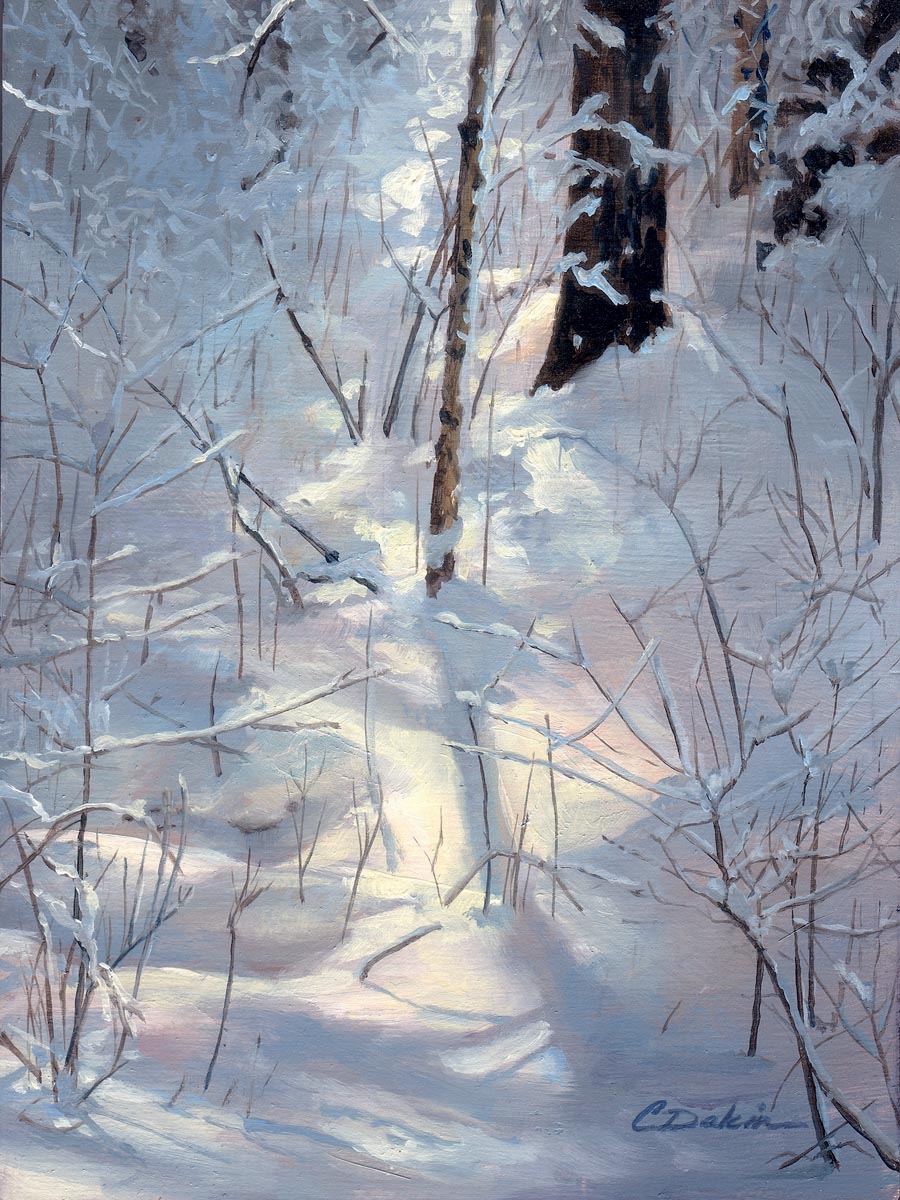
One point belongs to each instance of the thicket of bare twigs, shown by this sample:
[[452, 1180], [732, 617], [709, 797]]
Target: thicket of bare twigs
[[754, 726]]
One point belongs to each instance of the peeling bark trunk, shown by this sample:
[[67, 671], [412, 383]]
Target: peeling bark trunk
[[444, 495], [621, 220]]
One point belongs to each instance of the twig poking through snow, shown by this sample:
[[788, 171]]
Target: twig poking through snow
[[395, 948]]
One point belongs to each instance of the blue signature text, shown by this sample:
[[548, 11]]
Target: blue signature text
[[660, 1117]]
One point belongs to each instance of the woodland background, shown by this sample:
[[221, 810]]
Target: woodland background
[[449, 597]]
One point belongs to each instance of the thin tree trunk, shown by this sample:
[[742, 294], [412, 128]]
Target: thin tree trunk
[[485, 818], [620, 228], [226, 1005], [756, 1014], [882, 386], [811, 1067], [444, 496], [250, 892], [554, 805], [814, 1101], [81, 992]]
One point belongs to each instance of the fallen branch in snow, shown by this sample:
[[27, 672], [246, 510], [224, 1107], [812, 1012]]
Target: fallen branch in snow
[[252, 529], [542, 645], [328, 553], [106, 744], [395, 948], [308, 345]]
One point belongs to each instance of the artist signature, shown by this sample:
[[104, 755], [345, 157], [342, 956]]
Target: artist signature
[[661, 1117]]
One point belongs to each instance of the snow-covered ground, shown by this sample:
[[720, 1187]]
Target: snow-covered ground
[[385, 1035], [495, 1058]]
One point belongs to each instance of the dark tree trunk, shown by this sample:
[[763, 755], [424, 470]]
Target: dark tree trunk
[[756, 1014], [748, 117], [621, 218]]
